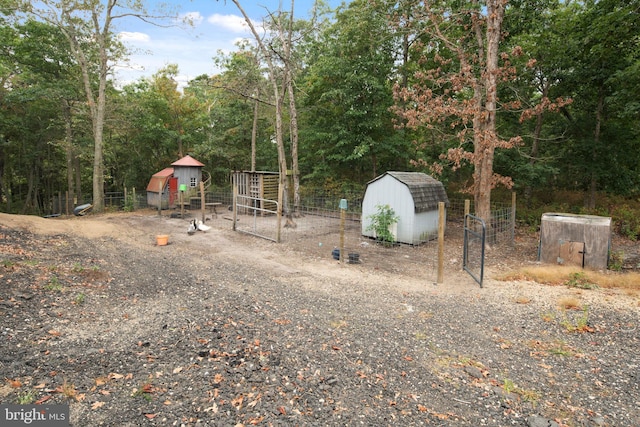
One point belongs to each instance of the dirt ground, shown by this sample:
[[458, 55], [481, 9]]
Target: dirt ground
[[223, 328]]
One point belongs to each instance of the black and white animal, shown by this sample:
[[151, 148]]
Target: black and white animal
[[193, 227]]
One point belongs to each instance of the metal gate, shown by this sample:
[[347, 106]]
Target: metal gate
[[475, 232], [253, 216]]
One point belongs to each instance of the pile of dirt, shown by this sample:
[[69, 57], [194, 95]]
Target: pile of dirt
[[221, 328]]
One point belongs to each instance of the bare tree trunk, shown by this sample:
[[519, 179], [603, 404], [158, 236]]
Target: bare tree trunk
[[78, 174], [485, 115], [254, 135], [293, 113], [285, 37], [69, 155], [273, 78], [593, 185], [535, 144]]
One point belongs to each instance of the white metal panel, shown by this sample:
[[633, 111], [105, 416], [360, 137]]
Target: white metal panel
[[412, 228], [389, 191]]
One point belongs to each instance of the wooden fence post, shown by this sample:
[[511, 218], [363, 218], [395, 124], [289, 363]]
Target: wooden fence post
[[441, 225], [160, 197], [202, 201]]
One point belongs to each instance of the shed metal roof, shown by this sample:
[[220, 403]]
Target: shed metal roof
[[426, 191], [159, 179], [187, 161]]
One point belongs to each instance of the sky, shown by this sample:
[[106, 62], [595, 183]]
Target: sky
[[217, 26]]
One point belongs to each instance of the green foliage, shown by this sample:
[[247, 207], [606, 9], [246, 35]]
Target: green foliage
[[578, 324], [381, 222], [80, 299], [627, 221], [347, 128], [616, 260], [54, 284], [26, 397], [130, 203], [349, 65], [580, 280]]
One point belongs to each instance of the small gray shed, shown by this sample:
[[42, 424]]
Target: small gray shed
[[414, 197], [578, 240]]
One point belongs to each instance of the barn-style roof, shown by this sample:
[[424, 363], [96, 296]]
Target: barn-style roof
[[187, 161], [159, 179], [426, 191]]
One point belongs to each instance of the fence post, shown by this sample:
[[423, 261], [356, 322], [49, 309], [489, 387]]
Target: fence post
[[343, 213], [235, 204], [202, 201], [467, 207], [441, 224], [513, 217], [135, 200], [160, 197]]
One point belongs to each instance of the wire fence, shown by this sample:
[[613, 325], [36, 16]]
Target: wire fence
[[317, 215]]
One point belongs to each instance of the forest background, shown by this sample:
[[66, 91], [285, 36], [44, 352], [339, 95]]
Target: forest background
[[347, 94]]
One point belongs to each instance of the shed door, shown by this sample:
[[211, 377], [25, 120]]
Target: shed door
[[173, 190], [571, 253]]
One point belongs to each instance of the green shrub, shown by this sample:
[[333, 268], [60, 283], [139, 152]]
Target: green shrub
[[381, 221]]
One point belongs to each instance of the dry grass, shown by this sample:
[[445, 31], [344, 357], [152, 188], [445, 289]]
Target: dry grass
[[570, 303], [560, 275]]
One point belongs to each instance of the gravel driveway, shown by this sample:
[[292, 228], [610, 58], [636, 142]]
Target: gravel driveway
[[224, 329]]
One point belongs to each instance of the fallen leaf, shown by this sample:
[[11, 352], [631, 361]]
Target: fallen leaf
[[54, 333], [115, 376], [237, 402], [15, 383], [42, 400], [177, 370], [96, 405], [408, 358], [213, 408], [150, 416]]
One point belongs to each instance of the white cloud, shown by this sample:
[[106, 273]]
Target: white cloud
[[233, 23], [136, 37]]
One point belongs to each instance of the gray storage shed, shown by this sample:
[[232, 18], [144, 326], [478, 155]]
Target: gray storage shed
[[578, 240], [414, 197]]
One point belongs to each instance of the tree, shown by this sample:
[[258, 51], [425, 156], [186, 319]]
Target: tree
[[87, 26], [462, 89], [277, 78], [540, 29], [604, 46], [349, 131], [242, 82], [41, 105]]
